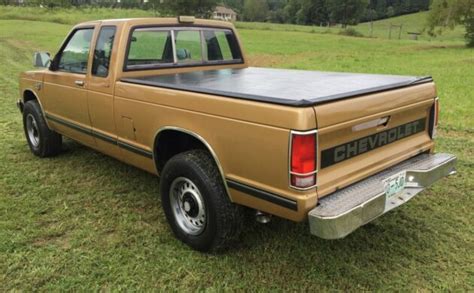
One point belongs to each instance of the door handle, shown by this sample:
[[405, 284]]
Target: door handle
[[79, 82]]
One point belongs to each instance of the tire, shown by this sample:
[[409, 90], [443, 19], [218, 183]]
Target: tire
[[43, 142], [204, 218]]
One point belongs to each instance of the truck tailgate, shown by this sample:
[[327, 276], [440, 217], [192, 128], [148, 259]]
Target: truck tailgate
[[361, 136]]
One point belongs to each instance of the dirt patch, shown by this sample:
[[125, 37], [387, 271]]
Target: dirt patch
[[60, 240]]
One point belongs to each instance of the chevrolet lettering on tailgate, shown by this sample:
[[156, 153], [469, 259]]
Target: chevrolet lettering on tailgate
[[359, 146]]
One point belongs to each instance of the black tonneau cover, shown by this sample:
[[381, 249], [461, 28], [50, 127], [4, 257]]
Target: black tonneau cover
[[297, 88]]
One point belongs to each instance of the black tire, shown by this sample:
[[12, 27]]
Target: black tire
[[45, 142], [224, 220]]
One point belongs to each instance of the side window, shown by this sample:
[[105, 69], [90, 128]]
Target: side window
[[102, 52], [218, 47], [75, 54], [149, 47], [188, 46]]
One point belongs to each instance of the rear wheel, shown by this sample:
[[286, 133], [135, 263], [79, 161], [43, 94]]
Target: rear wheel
[[43, 142], [196, 204]]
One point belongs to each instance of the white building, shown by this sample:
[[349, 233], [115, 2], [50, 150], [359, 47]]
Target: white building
[[224, 13]]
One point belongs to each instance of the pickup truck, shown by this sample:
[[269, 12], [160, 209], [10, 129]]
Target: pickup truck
[[177, 98]]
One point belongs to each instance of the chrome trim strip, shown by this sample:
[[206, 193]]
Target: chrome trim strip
[[434, 131], [303, 174], [173, 47], [200, 138], [290, 144]]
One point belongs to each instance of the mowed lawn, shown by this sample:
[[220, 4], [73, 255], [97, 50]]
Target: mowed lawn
[[85, 221]]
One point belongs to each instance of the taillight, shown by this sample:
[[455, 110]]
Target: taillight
[[303, 166]]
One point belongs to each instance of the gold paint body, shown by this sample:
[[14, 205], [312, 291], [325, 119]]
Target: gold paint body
[[250, 139]]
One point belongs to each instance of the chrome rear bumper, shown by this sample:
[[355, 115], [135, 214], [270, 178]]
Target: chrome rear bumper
[[344, 211]]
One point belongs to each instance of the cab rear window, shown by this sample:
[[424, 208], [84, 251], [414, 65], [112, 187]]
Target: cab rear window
[[155, 47]]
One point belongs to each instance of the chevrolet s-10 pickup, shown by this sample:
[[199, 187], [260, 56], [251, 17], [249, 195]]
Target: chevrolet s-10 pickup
[[177, 98]]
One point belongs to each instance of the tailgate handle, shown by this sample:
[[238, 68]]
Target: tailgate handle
[[372, 123]]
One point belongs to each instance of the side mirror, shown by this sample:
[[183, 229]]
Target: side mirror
[[41, 59], [183, 54]]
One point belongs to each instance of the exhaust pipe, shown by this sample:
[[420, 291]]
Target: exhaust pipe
[[262, 218]]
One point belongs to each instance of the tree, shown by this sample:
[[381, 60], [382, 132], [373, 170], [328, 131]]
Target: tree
[[390, 11], [278, 16], [200, 8], [255, 10], [276, 4], [234, 4], [346, 11], [291, 9], [448, 14], [381, 8], [312, 12]]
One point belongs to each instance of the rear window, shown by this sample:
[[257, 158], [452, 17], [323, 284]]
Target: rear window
[[151, 48]]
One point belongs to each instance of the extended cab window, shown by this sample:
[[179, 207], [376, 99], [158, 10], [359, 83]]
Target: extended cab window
[[75, 54], [151, 48], [103, 51]]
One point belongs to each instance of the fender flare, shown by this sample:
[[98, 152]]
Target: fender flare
[[39, 102], [203, 141]]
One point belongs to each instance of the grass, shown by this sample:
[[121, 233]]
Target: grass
[[84, 221]]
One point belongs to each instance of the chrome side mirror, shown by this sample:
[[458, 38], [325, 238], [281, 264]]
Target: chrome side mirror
[[41, 59], [183, 54]]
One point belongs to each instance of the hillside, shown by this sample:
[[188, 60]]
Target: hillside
[[415, 22]]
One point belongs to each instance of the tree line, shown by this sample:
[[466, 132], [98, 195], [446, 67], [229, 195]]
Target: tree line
[[323, 12]]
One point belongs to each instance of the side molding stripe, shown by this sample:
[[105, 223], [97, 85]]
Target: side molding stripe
[[101, 136], [265, 195], [134, 149]]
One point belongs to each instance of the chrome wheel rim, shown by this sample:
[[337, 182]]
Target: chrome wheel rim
[[187, 205], [32, 130]]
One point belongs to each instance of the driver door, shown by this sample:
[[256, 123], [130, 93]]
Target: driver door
[[65, 89]]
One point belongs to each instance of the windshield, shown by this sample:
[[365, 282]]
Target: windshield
[[155, 47]]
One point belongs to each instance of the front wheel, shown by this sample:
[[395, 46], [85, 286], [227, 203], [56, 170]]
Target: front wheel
[[196, 204], [43, 142]]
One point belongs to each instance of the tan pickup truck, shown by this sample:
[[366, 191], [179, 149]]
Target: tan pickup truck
[[176, 97]]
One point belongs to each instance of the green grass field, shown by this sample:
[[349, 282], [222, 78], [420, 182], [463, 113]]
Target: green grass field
[[84, 221]]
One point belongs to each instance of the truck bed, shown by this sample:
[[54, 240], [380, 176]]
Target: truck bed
[[296, 88]]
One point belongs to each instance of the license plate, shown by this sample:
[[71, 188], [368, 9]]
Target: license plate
[[395, 184]]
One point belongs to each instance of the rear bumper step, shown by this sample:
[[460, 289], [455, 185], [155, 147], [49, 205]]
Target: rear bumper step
[[347, 209]]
